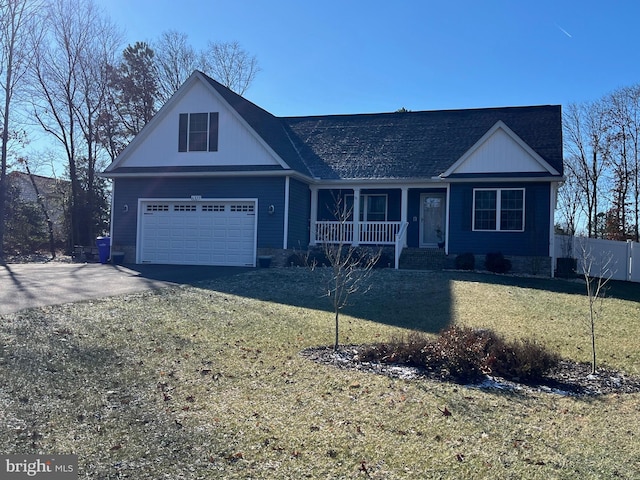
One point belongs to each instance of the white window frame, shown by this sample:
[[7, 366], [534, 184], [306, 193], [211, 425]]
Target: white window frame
[[187, 133], [203, 130], [498, 209], [364, 206]]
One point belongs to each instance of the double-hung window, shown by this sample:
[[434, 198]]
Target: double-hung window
[[498, 209], [373, 207], [198, 132]]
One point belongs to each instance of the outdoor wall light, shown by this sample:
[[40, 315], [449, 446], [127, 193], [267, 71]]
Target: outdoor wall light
[[272, 209], [125, 208]]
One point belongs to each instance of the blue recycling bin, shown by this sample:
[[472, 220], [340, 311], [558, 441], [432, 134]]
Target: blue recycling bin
[[104, 247]]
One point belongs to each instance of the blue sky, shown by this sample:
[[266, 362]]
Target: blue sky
[[341, 56]]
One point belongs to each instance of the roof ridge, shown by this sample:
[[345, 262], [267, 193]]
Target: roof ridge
[[226, 91], [272, 129], [421, 112]]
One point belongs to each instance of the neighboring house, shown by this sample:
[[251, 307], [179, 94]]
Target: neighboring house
[[214, 179], [54, 193]]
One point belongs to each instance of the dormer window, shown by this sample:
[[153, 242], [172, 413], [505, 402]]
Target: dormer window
[[198, 132]]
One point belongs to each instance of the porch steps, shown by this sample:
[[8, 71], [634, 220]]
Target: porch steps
[[424, 259]]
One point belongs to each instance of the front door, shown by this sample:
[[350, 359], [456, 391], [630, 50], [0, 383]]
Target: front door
[[432, 219]]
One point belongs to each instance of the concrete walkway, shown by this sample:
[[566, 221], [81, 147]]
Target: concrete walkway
[[39, 284]]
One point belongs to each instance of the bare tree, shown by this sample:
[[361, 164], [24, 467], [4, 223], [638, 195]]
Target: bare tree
[[622, 133], [231, 65], [17, 25], [70, 78], [602, 147], [94, 84], [585, 133], [226, 62], [624, 119], [175, 61], [597, 273], [569, 202], [346, 269]]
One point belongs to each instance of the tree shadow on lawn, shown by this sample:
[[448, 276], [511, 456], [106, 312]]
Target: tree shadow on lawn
[[416, 300], [412, 300], [614, 289]]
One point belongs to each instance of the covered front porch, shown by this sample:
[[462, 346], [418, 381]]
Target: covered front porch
[[414, 216]]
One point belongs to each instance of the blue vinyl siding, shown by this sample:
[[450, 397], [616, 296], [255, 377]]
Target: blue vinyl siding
[[268, 191], [299, 208], [533, 241]]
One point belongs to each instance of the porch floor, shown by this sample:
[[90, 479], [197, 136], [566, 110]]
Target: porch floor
[[424, 259]]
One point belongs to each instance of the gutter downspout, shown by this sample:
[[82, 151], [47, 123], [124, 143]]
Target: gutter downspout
[[553, 194], [285, 230], [113, 209]]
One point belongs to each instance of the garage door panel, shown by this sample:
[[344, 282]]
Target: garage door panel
[[207, 233], [235, 233], [162, 243], [190, 244]]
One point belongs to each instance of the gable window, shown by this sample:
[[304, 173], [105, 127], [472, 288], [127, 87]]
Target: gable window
[[373, 208], [198, 132], [498, 209]]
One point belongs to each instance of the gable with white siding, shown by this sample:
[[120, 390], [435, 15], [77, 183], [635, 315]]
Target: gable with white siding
[[157, 145], [500, 151]]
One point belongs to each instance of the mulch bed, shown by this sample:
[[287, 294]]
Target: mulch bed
[[570, 378]]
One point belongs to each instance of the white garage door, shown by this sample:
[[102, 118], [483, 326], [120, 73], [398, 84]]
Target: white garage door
[[198, 232]]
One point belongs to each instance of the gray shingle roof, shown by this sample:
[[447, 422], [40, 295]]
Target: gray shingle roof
[[270, 128], [394, 145], [416, 144]]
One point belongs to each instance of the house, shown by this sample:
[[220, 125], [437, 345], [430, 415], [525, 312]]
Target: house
[[53, 193], [214, 179]]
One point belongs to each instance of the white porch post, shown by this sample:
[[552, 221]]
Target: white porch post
[[313, 216], [356, 216], [404, 209]]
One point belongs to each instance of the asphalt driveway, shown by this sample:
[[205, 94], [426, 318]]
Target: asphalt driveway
[[39, 284]]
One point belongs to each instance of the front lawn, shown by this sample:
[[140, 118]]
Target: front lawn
[[208, 382]]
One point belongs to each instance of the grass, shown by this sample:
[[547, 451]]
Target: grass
[[207, 382]]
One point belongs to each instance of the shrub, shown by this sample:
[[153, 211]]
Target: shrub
[[410, 350], [304, 259], [524, 360], [465, 354], [296, 260], [466, 261], [461, 352], [317, 258], [495, 262]]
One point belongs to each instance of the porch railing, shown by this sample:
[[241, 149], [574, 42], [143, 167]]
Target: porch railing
[[401, 241], [369, 233], [334, 232]]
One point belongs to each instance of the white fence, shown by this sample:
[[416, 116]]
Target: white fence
[[619, 260]]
